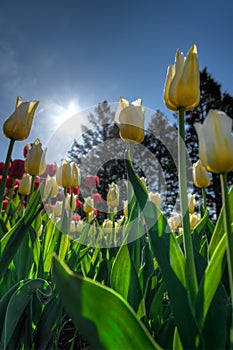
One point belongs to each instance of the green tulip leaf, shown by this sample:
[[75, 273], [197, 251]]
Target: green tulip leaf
[[101, 315], [173, 275], [124, 278], [18, 301], [219, 227], [211, 279], [11, 241]]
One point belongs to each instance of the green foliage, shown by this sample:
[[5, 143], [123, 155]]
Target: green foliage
[[119, 326]]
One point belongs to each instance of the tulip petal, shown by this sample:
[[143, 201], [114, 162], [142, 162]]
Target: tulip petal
[[216, 142]]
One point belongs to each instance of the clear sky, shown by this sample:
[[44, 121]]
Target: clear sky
[[73, 54]]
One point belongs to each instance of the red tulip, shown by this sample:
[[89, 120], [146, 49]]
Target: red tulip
[[2, 164], [76, 190], [97, 197], [50, 170], [36, 183], [10, 181], [16, 169], [4, 204], [92, 180], [79, 203], [26, 148], [76, 217]]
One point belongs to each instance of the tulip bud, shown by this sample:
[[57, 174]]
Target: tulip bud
[[107, 226], [143, 179], [72, 226], [25, 185], [70, 202], [175, 221], [16, 169], [130, 119], [216, 142], [88, 205], [51, 187], [194, 220], [2, 165], [113, 196], [79, 226], [64, 174], [191, 202], [92, 180], [76, 176], [58, 209], [155, 198], [201, 177], [19, 124], [35, 161], [182, 87], [97, 197]]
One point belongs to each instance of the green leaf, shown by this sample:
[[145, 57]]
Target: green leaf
[[11, 241], [48, 323], [212, 278], [102, 316], [219, 228], [124, 278], [177, 345], [160, 243], [18, 302], [177, 260], [215, 331]]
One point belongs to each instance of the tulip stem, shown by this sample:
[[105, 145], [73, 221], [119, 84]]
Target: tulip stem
[[5, 170], [203, 197], [191, 277], [129, 186], [229, 238]]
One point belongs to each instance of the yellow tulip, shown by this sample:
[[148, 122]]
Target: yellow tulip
[[72, 226], [113, 196], [201, 177], [191, 202], [70, 202], [155, 198], [35, 163], [19, 124], [76, 176], [216, 142], [130, 119], [182, 87], [64, 174], [58, 209], [25, 184], [175, 221], [88, 205], [107, 226], [79, 226], [51, 187], [194, 220], [68, 174]]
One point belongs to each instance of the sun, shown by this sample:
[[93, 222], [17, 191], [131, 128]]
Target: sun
[[61, 113]]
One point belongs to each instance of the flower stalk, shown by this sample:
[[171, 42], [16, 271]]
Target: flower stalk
[[188, 246], [203, 197]]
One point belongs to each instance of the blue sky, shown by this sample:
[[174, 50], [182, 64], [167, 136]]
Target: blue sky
[[73, 54]]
